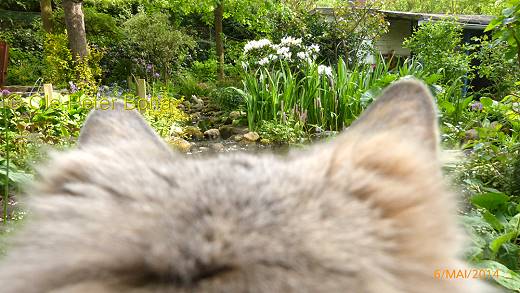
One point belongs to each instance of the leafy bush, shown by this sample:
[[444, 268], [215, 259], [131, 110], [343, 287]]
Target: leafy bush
[[164, 114], [157, 46], [61, 68], [25, 53], [189, 86], [347, 35], [496, 66], [280, 133], [205, 70], [25, 68], [506, 27], [226, 98], [438, 47], [495, 227]]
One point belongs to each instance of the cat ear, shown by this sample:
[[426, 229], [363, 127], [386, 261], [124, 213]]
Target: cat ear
[[405, 109], [115, 126]]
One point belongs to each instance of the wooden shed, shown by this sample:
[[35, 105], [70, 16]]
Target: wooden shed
[[402, 25]]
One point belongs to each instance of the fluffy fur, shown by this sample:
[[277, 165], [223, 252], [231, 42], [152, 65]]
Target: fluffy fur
[[365, 213]]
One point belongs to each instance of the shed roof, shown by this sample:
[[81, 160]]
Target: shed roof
[[466, 19]]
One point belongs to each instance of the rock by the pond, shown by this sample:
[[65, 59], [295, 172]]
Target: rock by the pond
[[252, 136], [212, 133], [265, 141], [238, 137], [235, 115], [176, 130], [193, 132], [198, 101], [196, 116], [495, 125], [226, 131], [226, 120], [217, 147], [180, 144], [239, 122], [471, 134]]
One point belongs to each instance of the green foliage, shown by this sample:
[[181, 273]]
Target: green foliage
[[61, 68], [16, 177], [58, 59], [280, 133], [503, 72], [205, 70], [226, 98], [156, 45], [189, 86], [356, 30], [20, 5], [515, 177], [487, 7], [438, 46], [32, 123], [25, 68], [315, 96], [507, 28], [164, 113], [347, 35], [25, 53], [494, 227], [489, 175]]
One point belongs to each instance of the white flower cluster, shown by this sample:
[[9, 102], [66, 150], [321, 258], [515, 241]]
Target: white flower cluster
[[327, 70], [256, 45], [291, 41], [287, 49]]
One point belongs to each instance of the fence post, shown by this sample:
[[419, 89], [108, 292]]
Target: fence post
[[47, 91], [4, 60], [130, 82], [141, 88]]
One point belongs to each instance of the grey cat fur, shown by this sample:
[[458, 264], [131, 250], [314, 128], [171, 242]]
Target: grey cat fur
[[365, 213]]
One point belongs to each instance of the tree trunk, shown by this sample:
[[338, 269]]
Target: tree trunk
[[219, 12], [46, 11], [75, 23]]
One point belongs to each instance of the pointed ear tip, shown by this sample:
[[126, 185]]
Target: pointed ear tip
[[411, 90], [412, 85]]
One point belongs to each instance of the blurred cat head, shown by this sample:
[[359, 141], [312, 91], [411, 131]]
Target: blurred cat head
[[366, 212]]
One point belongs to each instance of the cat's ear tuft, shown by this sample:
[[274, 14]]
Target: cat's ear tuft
[[406, 108], [115, 126]]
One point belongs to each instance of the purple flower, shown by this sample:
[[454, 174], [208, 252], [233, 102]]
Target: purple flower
[[476, 106], [73, 87], [5, 92], [149, 67], [156, 75]]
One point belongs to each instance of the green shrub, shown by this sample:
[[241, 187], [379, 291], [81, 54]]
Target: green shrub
[[162, 118], [25, 52], [348, 34], [226, 98], [58, 59], [188, 86], [515, 177], [205, 70], [496, 66], [156, 45], [280, 133], [60, 68], [25, 68], [438, 46]]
